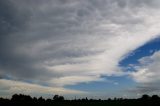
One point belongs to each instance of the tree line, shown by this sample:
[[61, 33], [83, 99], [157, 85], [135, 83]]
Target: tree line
[[57, 100]]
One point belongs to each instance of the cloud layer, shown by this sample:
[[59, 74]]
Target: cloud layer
[[66, 42], [9, 87]]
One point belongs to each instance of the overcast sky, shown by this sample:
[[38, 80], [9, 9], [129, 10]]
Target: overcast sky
[[94, 48]]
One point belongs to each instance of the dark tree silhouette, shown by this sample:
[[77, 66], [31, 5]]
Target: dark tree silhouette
[[41, 99], [155, 97], [58, 98], [26, 100], [145, 97], [21, 97]]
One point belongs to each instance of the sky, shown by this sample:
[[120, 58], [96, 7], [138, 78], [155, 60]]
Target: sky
[[79, 48]]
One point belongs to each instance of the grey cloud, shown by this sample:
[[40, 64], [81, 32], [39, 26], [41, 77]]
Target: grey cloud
[[152, 88], [11, 18], [148, 89]]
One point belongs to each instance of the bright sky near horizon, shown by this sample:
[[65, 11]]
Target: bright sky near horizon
[[93, 48]]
